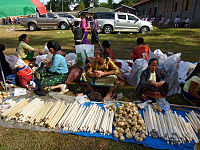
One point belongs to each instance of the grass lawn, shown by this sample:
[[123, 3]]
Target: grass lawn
[[185, 41]]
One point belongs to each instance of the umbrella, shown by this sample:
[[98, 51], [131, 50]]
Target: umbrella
[[10, 8]]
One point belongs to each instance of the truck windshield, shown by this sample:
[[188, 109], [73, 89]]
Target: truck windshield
[[105, 15]]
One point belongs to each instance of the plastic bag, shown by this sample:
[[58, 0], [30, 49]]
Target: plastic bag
[[83, 51], [46, 50], [171, 67], [71, 59], [15, 62], [40, 59], [136, 71], [125, 67], [182, 71]]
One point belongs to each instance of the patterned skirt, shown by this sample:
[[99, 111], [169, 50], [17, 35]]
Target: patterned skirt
[[47, 79], [106, 81], [155, 92], [85, 39]]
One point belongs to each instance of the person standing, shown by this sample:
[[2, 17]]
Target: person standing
[[78, 33], [83, 25], [95, 36]]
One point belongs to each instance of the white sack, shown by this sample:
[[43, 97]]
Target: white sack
[[71, 59], [138, 66], [15, 62]]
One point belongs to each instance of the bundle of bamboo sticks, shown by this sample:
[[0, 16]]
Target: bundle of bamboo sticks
[[37, 112], [194, 120], [88, 119], [169, 127]]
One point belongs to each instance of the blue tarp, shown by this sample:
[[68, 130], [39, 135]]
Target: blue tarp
[[155, 143]]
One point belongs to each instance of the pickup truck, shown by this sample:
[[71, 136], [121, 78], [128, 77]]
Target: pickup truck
[[124, 22], [49, 20]]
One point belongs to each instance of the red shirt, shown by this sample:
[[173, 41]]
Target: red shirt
[[137, 52]]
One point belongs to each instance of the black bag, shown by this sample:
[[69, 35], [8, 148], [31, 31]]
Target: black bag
[[78, 33]]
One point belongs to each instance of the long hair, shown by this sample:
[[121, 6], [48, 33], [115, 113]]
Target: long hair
[[196, 71], [54, 45]]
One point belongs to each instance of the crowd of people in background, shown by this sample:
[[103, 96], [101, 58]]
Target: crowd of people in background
[[166, 22], [9, 20]]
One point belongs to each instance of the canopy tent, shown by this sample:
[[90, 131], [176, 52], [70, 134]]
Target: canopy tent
[[10, 8]]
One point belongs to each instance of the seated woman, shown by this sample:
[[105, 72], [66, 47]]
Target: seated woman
[[140, 49], [53, 77], [191, 89], [152, 82], [102, 72], [106, 47], [4, 64], [24, 51]]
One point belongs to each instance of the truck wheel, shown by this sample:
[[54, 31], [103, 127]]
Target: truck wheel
[[107, 29], [32, 27], [63, 26], [144, 30]]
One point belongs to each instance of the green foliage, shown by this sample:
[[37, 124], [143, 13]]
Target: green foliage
[[81, 6], [103, 4], [130, 3], [110, 4], [56, 5]]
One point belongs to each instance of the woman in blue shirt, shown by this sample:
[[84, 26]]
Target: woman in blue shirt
[[54, 77]]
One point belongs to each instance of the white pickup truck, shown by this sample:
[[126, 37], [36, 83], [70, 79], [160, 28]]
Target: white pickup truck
[[124, 22]]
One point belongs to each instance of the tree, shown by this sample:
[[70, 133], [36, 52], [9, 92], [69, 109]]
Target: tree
[[110, 3], [103, 4], [130, 3], [56, 5], [81, 6]]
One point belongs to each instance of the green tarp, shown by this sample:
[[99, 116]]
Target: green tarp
[[10, 8]]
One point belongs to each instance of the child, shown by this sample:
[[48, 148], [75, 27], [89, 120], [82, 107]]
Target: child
[[83, 26], [95, 27], [78, 33]]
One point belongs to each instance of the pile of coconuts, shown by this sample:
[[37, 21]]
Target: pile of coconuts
[[128, 122]]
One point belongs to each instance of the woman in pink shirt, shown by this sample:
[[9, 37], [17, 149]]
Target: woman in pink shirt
[[83, 25]]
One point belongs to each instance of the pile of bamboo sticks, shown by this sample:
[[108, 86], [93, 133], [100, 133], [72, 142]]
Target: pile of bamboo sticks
[[88, 119], [194, 120], [46, 114], [169, 127]]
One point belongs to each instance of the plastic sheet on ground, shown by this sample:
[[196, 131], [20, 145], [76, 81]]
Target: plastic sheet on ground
[[155, 143]]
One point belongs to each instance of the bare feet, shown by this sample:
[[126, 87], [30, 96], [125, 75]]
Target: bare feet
[[63, 88], [107, 97]]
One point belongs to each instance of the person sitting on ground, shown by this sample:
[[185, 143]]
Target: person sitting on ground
[[4, 64], [24, 51], [140, 49], [152, 83], [78, 33], [102, 72], [106, 47], [53, 77], [191, 89]]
